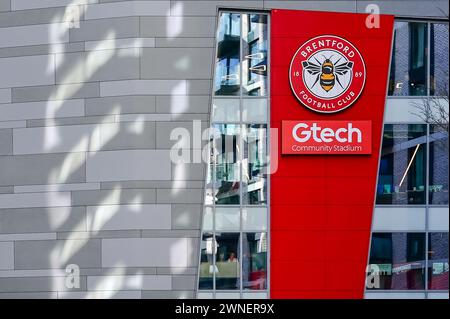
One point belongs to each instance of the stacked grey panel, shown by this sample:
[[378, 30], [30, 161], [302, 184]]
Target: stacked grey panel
[[86, 109]]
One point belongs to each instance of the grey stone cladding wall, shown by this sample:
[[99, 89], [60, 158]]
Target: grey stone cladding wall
[[86, 111]]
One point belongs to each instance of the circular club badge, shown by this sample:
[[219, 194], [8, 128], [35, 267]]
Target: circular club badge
[[327, 74]]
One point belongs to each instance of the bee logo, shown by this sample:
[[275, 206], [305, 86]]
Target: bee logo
[[327, 72]]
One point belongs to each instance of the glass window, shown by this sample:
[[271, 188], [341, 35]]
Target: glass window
[[254, 170], [237, 162], [439, 59], [410, 69], [254, 261], [207, 250], [408, 76], [402, 171], [227, 78], [438, 171], [227, 261], [400, 259], [227, 169], [438, 261], [254, 60]]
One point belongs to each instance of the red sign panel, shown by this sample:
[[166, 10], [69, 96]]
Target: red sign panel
[[321, 205], [327, 137]]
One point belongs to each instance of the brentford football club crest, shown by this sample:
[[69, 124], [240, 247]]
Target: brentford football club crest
[[327, 74]]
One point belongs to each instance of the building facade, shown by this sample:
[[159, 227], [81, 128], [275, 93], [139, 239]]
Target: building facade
[[134, 138]]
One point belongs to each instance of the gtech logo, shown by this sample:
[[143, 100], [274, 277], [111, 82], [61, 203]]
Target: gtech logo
[[327, 74], [327, 137]]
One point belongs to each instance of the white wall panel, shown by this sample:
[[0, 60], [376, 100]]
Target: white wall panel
[[138, 216], [117, 252], [128, 165], [399, 219], [41, 110]]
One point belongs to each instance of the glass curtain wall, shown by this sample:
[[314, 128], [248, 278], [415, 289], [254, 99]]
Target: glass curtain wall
[[413, 168], [408, 152], [413, 172], [410, 261], [419, 65], [234, 245]]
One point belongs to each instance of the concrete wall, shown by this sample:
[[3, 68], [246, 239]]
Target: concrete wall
[[86, 109]]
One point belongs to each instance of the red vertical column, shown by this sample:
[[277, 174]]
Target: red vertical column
[[321, 205]]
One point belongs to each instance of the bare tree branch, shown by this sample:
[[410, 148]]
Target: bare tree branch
[[434, 109]]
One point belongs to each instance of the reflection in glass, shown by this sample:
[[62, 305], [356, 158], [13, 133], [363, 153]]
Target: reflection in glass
[[402, 171], [438, 261], [236, 160], [438, 188], [254, 261], [439, 59], [400, 259], [227, 78], [408, 76], [227, 170], [254, 168], [208, 249], [254, 59], [227, 261]]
